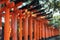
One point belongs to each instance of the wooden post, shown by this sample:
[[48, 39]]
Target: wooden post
[[47, 31], [30, 27], [43, 29], [14, 26], [26, 27], [50, 31], [20, 25], [40, 30], [7, 25], [37, 30], [34, 29]]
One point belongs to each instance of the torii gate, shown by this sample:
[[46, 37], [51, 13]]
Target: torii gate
[[11, 28]]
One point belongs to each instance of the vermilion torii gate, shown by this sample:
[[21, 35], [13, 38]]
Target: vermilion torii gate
[[29, 24]]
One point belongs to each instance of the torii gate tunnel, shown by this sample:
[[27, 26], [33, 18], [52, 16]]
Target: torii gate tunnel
[[23, 24]]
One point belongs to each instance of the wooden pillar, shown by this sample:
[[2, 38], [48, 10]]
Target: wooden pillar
[[43, 29], [55, 32], [30, 27], [52, 32], [46, 29], [14, 26], [37, 30], [7, 25], [26, 27], [40, 30], [47, 32], [20, 25], [34, 29]]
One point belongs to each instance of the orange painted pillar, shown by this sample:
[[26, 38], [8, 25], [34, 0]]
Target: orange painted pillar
[[40, 30], [7, 25], [47, 32], [50, 32], [30, 27], [46, 28], [26, 27], [34, 29], [43, 30], [20, 25], [56, 32], [37, 30], [14, 26], [53, 32]]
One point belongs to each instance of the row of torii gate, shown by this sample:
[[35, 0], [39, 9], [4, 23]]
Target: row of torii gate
[[23, 23]]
